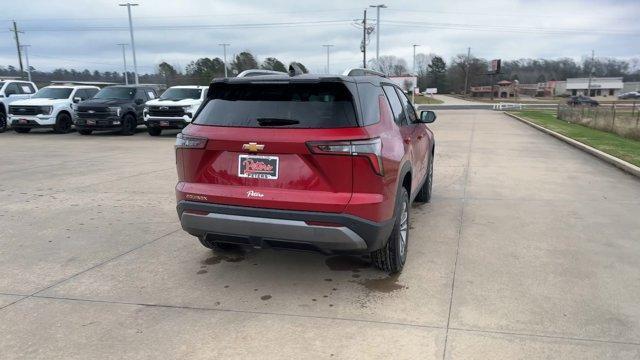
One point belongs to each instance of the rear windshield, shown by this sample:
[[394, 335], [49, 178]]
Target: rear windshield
[[324, 105]]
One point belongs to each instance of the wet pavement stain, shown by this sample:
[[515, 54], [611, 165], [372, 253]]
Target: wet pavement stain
[[346, 263], [202, 272], [384, 285], [328, 280], [355, 276], [265, 297], [227, 256]]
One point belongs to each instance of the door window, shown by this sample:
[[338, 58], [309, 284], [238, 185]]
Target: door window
[[409, 110], [27, 88], [11, 89], [396, 105]]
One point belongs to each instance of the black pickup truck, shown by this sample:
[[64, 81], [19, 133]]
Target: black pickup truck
[[117, 107]]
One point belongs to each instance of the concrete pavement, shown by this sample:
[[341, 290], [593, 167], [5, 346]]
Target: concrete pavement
[[529, 250]]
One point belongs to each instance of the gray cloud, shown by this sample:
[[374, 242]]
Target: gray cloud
[[494, 29]]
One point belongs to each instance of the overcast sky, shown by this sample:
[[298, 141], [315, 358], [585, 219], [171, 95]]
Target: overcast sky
[[83, 34]]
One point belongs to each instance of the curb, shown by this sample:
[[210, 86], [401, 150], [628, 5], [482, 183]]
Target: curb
[[620, 164]]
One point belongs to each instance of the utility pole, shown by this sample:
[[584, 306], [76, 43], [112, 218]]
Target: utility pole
[[133, 43], [328, 47], [378, 7], [590, 73], [364, 40], [224, 49], [124, 61], [466, 73], [414, 58], [16, 32], [26, 56]]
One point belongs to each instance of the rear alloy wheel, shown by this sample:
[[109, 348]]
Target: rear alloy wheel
[[424, 195], [63, 124], [85, 132], [154, 131], [22, 130], [393, 255], [129, 125], [209, 243], [3, 122]]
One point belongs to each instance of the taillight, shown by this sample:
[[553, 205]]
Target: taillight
[[370, 148], [190, 142]]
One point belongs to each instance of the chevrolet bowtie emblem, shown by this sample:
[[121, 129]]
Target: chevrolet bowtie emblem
[[253, 147]]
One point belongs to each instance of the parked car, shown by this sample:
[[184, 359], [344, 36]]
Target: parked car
[[174, 109], [629, 95], [13, 90], [582, 100], [114, 108], [50, 107], [305, 162]]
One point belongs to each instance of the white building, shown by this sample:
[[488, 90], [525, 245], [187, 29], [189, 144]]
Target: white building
[[599, 86]]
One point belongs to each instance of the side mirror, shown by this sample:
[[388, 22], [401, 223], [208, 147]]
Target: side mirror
[[427, 116], [139, 101], [77, 99]]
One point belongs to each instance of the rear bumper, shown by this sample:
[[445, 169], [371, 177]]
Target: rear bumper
[[283, 228]]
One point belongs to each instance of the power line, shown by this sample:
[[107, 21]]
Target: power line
[[187, 27]]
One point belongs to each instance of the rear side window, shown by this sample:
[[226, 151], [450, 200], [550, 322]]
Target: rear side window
[[370, 102], [323, 105], [396, 106]]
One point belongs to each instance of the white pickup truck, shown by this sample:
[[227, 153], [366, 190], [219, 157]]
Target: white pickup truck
[[174, 109], [50, 107], [10, 91]]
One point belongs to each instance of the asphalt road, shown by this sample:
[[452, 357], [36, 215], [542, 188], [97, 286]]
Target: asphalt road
[[529, 250]]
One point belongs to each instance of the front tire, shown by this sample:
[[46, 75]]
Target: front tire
[[3, 122], [129, 125], [63, 124], [424, 195], [392, 257], [153, 131], [22, 130]]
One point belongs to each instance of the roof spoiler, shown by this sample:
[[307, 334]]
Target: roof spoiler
[[362, 72], [258, 72]]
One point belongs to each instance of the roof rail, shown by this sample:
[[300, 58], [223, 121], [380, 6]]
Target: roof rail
[[258, 72], [362, 72]]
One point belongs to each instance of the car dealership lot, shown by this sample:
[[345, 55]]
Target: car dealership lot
[[529, 249]]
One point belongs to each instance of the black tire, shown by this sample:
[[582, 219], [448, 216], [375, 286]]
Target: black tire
[[3, 122], [392, 257], [63, 124], [210, 244], [129, 125], [424, 195], [22, 130], [85, 131], [154, 131]]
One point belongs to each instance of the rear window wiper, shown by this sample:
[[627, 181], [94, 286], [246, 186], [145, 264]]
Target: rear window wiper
[[276, 121]]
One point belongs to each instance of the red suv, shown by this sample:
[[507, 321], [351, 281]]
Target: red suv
[[305, 162]]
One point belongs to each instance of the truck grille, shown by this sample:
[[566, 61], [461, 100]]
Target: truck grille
[[166, 111], [25, 110], [92, 112]]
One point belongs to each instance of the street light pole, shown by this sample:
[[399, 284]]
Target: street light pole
[[466, 73], [26, 57], [224, 47], [414, 57], [378, 7], [133, 43], [124, 61], [328, 68]]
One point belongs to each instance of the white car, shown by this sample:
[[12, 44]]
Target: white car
[[174, 109], [11, 91], [50, 107]]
